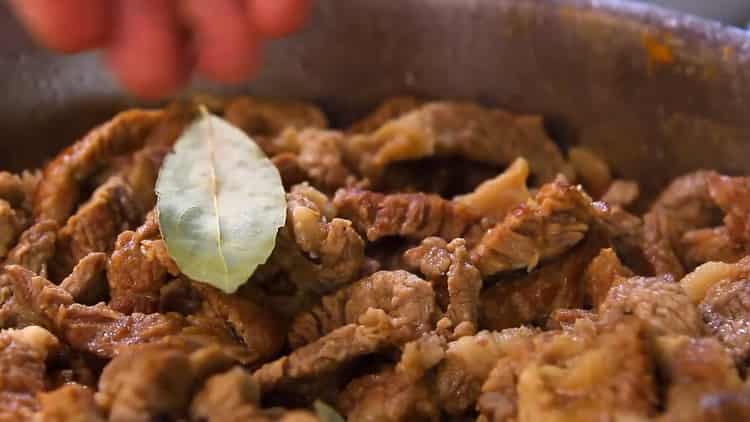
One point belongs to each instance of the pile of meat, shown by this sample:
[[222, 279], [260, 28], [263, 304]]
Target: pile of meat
[[440, 261]]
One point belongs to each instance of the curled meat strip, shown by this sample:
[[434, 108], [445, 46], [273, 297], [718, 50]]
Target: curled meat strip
[[457, 129], [551, 223]]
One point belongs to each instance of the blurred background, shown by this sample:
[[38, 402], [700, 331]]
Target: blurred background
[[735, 12]]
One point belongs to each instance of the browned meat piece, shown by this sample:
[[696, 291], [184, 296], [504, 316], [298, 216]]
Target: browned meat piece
[[95, 329], [725, 309], [138, 268], [458, 129], [69, 403], [576, 376], [86, 283], [59, 191], [694, 369], [35, 247], [588, 372], [23, 354], [16, 189], [234, 396], [554, 221], [565, 319], [373, 332], [659, 302], [12, 223], [603, 272], [258, 328], [621, 193], [289, 168], [732, 195], [626, 234], [468, 362], [448, 266], [95, 226], [391, 108], [411, 215], [312, 232], [711, 244], [591, 170], [496, 197], [264, 119], [149, 384], [318, 155], [407, 300], [684, 205], [532, 297]]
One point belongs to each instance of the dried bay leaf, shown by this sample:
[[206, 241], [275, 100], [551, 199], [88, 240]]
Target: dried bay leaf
[[220, 203]]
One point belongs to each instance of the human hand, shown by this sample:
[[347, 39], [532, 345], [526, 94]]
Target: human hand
[[153, 46]]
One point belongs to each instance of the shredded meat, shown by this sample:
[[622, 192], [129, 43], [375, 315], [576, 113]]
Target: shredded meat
[[658, 302], [23, 354], [448, 267], [389, 109], [35, 247], [407, 300], [69, 403], [555, 220], [602, 273], [95, 329], [12, 223], [313, 234], [468, 362], [463, 129], [621, 193], [695, 369], [711, 244], [86, 282], [496, 197], [532, 297], [138, 268], [410, 215]]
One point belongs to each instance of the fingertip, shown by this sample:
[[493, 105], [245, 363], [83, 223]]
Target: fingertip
[[146, 54], [277, 18], [67, 26]]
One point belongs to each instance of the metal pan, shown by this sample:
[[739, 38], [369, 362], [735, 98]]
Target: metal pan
[[656, 92]]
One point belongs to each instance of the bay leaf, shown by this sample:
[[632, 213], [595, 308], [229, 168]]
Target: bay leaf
[[326, 413], [220, 203]]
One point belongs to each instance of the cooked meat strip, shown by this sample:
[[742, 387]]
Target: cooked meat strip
[[23, 354], [318, 154], [411, 215], [659, 302], [407, 300], [313, 233], [86, 282], [16, 190], [711, 244], [69, 403], [626, 233], [725, 309], [152, 383], [468, 362], [389, 109], [732, 195], [554, 221], [258, 328], [399, 393], [531, 297], [693, 370], [138, 268], [12, 223], [234, 396], [591, 170], [59, 190], [603, 272], [621, 193], [372, 332], [684, 205], [577, 376], [264, 119], [35, 247], [447, 266], [457, 129], [95, 329], [95, 226]]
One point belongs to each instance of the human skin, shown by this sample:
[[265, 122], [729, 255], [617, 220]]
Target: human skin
[[154, 46]]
